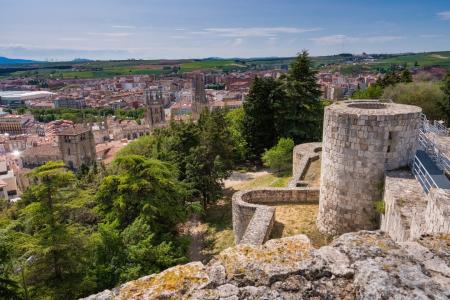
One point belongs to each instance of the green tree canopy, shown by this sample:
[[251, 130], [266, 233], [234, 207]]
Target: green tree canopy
[[279, 157], [427, 95]]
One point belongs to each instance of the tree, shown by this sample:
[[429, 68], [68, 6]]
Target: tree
[[212, 160], [427, 95], [299, 113], [56, 246], [446, 102], [258, 123], [279, 157], [372, 92], [142, 202], [406, 76], [235, 124], [9, 289], [142, 187]]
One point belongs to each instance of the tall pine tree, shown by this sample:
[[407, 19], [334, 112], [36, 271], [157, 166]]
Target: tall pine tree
[[259, 130], [298, 115]]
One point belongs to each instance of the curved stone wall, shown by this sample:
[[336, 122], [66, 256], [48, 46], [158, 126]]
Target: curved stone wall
[[253, 221], [302, 156], [361, 140]]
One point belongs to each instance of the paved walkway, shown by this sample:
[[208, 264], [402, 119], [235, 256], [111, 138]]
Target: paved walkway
[[436, 174]]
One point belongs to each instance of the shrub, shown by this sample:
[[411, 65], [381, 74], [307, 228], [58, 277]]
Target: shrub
[[279, 157]]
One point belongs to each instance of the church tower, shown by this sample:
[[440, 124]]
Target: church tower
[[153, 101]]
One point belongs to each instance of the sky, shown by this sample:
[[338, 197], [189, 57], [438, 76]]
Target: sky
[[174, 29]]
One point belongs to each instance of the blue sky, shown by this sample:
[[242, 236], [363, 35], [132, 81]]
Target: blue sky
[[113, 29]]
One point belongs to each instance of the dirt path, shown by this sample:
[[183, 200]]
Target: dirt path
[[196, 231], [237, 178]]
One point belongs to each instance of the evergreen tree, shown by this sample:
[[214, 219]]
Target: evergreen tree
[[212, 160], [405, 76], [56, 251], [9, 289], [258, 123], [298, 114]]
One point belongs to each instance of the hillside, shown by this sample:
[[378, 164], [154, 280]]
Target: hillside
[[345, 63], [15, 61]]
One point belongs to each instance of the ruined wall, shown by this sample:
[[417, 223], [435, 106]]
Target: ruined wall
[[361, 140], [302, 156], [404, 206], [409, 212], [254, 220], [437, 214]]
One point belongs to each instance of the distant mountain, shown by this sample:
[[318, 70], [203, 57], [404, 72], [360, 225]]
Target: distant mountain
[[77, 60], [15, 61]]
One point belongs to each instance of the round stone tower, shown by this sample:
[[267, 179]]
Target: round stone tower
[[361, 140]]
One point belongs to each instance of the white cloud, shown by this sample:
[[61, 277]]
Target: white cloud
[[73, 39], [110, 34], [257, 31], [444, 15], [430, 36], [237, 42], [123, 26], [180, 29], [332, 39], [339, 39]]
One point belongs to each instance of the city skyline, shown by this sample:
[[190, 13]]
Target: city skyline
[[64, 30]]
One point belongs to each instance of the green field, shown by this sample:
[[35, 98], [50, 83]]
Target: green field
[[103, 69], [441, 59]]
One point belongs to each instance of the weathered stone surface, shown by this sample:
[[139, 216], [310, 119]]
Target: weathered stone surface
[[361, 265]]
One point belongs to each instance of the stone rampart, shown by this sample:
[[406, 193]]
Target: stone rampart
[[437, 214], [253, 221], [302, 156], [410, 213]]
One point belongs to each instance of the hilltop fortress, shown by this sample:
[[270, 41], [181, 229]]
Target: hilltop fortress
[[384, 188]]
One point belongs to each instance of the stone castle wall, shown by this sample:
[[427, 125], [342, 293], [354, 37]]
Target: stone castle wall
[[253, 221], [410, 213], [361, 140], [302, 156]]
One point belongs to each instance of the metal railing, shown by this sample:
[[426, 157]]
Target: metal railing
[[422, 175], [427, 144], [436, 127]]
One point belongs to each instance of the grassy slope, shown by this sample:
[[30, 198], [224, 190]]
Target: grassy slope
[[101, 69], [424, 59]]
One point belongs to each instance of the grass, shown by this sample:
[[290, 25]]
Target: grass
[[293, 219], [207, 64], [218, 217], [269, 180]]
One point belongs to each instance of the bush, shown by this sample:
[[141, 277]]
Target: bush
[[279, 157], [427, 95]]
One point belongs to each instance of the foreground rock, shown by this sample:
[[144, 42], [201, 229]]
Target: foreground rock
[[362, 265]]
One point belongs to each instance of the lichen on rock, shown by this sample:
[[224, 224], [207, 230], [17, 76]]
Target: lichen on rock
[[360, 265]]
